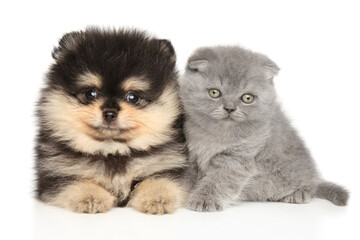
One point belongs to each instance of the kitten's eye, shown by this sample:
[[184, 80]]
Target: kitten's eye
[[214, 93], [91, 95], [132, 98], [247, 98]]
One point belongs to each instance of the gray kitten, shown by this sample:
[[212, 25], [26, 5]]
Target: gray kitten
[[240, 141]]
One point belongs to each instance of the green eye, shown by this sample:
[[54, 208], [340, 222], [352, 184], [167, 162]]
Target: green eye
[[247, 98], [214, 93]]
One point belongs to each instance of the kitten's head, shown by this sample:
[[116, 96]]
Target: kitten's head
[[110, 91], [228, 85]]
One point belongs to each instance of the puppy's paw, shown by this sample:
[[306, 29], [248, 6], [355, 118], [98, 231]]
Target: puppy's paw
[[298, 197], [92, 204], [202, 203], [157, 205], [157, 196], [84, 197]]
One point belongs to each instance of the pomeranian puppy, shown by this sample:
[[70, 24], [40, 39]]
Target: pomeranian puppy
[[109, 123]]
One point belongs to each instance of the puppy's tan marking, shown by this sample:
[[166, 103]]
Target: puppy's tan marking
[[157, 196], [89, 79], [69, 121], [140, 128], [84, 197], [152, 125], [135, 84]]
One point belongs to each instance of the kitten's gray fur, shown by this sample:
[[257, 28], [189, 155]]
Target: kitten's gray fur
[[252, 153]]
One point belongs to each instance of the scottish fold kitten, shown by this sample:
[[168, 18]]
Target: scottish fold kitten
[[240, 141]]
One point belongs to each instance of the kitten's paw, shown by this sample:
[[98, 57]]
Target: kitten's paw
[[157, 196], [298, 197], [203, 204]]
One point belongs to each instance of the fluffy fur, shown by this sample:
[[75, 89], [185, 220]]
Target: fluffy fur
[[242, 150], [110, 122]]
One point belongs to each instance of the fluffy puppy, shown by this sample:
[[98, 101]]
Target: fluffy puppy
[[110, 124]]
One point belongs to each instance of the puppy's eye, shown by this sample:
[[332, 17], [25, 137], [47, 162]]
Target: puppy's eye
[[91, 95], [247, 98], [132, 98], [214, 93]]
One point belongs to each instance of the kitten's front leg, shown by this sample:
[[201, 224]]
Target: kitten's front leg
[[221, 184], [204, 198]]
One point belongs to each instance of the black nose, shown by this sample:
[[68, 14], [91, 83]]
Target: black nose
[[229, 110], [109, 115]]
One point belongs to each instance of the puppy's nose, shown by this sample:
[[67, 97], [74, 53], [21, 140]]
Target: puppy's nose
[[229, 110], [109, 115]]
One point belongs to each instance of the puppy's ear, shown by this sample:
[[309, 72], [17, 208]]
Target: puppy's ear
[[68, 43], [167, 48], [198, 65]]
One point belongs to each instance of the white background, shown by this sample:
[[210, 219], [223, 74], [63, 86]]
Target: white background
[[316, 44]]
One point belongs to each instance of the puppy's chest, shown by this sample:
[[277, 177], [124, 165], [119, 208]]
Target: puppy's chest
[[113, 172], [115, 164]]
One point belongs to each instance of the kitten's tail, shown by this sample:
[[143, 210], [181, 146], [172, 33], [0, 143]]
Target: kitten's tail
[[332, 192]]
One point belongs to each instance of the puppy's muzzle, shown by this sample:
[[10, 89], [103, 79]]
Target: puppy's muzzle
[[109, 115]]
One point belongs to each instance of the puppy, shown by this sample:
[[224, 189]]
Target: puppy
[[109, 123]]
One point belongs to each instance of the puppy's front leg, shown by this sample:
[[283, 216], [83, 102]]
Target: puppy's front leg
[[83, 197], [157, 196]]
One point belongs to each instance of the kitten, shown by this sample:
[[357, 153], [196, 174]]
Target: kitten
[[110, 129], [238, 137]]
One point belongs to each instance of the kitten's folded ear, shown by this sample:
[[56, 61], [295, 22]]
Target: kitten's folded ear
[[67, 44], [271, 69], [201, 58], [198, 65]]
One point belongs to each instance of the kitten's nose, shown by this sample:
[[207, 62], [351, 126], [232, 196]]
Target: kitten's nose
[[109, 115], [229, 110]]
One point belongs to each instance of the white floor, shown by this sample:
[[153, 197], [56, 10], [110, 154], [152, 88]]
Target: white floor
[[317, 220]]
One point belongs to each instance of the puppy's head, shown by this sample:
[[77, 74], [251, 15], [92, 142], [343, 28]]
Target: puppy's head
[[111, 91]]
